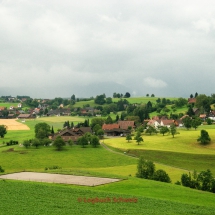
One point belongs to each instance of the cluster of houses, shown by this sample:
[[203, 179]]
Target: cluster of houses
[[121, 128]]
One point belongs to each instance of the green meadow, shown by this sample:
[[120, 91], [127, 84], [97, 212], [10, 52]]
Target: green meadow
[[185, 142], [8, 105], [175, 155], [132, 100]]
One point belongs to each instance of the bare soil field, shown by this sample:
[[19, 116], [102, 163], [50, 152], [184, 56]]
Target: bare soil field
[[12, 124], [59, 178]]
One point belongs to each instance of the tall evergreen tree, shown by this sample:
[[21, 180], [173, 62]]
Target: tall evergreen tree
[[52, 131]]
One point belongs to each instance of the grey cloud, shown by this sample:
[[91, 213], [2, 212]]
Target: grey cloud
[[81, 46]]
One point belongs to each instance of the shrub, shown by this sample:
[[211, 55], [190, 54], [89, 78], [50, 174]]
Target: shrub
[[204, 138], [1, 169], [161, 175], [145, 169]]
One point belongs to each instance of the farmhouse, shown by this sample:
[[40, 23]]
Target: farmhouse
[[11, 116], [167, 122], [2, 108], [25, 116], [71, 133], [191, 100], [117, 129]]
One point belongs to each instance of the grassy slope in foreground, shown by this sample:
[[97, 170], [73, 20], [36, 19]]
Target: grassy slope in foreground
[[39, 198]]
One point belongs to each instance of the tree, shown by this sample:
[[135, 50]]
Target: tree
[[94, 141], [173, 130], [187, 121], [190, 111], [205, 178], [203, 101], [161, 175], [46, 141], [141, 111], [209, 121], [83, 141], [1, 169], [109, 100], [59, 143], [204, 138], [191, 96], [140, 129], [128, 137], [196, 94], [180, 102], [152, 95], [3, 130], [185, 180], [42, 130], [117, 118], [145, 168], [109, 120], [73, 97], [100, 99], [96, 128], [97, 120], [100, 133], [127, 95], [35, 142], [150, 129], [138, 138], [164, 130], [196, 122], [26, 143], [52, 131]]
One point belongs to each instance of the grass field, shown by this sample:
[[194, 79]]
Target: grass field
[[8, 105], [185, 142], [39, 198], [132, 100]]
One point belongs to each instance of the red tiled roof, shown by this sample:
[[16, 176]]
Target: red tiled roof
[[126, 124], [192, 100]]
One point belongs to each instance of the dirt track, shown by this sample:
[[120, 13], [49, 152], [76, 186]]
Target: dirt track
[[59, 178], [12, 124]]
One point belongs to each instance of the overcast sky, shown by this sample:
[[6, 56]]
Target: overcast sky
[[58, 48]]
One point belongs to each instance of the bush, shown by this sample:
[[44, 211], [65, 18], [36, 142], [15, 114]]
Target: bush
[[145, 169], [1, 169], [178, 183], [161, 175], [204, 138], [12, 142]]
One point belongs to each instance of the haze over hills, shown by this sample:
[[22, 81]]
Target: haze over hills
[[93, 89]]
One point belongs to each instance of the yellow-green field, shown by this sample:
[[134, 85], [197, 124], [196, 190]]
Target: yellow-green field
[[185, 142]]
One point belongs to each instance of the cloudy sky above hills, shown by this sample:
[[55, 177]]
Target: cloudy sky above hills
[[58, 48]]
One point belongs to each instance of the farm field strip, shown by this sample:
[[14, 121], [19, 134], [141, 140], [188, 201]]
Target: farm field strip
[[59, 178], [13, 124]]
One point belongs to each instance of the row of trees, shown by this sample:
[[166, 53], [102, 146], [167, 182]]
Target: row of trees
[[149, 130], [201, 181]]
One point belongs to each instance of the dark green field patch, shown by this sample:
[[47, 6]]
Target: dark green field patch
[[186, 161]]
